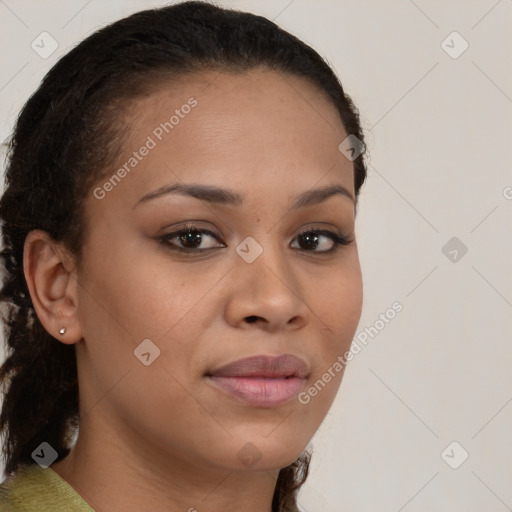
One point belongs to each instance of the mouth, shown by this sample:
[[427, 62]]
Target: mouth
[[261, 381]]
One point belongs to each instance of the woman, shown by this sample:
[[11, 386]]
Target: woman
[[181, 268]]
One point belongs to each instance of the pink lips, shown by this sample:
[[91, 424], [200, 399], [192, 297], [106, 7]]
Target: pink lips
[[262, 381]]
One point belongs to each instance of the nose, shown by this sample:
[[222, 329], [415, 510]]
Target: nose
[[266, 294]]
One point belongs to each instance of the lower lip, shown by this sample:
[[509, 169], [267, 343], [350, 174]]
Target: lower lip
[[260, 392]]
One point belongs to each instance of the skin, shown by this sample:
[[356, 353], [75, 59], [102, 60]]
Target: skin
[[160, 437]]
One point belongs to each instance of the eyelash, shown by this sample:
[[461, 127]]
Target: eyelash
[[337, 239]]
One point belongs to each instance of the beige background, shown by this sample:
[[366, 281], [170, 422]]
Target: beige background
[[439, 132]]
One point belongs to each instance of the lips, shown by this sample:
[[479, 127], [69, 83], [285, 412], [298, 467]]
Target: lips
[[261, 381], [262, 366]]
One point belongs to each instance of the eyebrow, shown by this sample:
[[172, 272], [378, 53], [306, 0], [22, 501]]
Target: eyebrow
[[225, 196]]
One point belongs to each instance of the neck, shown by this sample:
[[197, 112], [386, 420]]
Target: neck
[[112, 477]]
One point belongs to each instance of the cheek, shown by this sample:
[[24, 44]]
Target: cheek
[[339, 307], [338, 301], [126, 300], [137, 296]]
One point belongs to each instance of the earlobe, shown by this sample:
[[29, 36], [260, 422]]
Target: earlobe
[[52, 283]]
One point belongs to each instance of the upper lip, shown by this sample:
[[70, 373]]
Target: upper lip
[[286, 365]]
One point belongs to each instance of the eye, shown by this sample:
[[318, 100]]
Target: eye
[[328, 241], [190, 239]]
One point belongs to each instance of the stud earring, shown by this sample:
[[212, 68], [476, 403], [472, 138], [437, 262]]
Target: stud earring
[[62, 331]]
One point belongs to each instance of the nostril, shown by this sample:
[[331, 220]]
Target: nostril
[[252, 319]]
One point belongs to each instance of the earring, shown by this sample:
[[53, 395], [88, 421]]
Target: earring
[[62, 331]]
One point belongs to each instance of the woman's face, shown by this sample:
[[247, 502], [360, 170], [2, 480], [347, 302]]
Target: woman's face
[[253, 287]]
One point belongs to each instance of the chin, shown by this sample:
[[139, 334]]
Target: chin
[[262, 455]]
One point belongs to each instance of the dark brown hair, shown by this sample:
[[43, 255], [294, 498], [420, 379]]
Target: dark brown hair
[[66, 136]]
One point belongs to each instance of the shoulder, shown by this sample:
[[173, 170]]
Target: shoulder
[[33, 489]]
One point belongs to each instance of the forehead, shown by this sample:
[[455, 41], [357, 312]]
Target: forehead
[[254, 131]]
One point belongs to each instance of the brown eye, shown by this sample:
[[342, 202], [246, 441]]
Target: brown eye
[[312, 239], [191, 239]]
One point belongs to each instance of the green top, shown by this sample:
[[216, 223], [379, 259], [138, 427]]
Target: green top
[[34, 489]]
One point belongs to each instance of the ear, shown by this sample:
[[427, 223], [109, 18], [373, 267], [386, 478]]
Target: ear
[[50, 273]]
